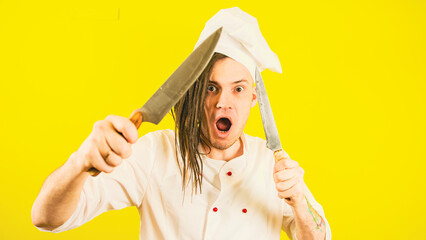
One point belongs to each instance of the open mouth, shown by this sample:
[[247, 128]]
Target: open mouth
[[223, 125]]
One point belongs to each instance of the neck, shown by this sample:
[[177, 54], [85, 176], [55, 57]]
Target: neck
[[236, 150]]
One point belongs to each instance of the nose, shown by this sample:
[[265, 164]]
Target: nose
[[224, 100]]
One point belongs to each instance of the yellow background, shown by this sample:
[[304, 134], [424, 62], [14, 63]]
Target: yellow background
[[350, 105]]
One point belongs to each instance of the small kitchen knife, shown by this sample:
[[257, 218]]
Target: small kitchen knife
[[271, 132], [175, 87]]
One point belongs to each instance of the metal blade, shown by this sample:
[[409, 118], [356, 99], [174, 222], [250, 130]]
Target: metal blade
[[271, 132], [180, 81]]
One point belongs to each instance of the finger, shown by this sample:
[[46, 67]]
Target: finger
[[118, 144], [106, 152], [288, 193], [113, 159], [286, 185], [285, 164], [284, 175], [125, 127], [97, 161]]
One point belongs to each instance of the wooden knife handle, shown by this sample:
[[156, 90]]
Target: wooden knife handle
[[280, 155], [135, 118]]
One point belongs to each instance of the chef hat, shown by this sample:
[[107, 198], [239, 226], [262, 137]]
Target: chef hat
[[241, 40]]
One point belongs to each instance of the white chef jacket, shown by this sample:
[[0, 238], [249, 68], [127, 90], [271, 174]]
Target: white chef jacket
[[238, 200]]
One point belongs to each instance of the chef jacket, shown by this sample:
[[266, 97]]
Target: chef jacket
[[238, 199]]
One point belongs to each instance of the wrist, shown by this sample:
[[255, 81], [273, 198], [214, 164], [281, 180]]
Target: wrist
[[301, 205], [75, 165]]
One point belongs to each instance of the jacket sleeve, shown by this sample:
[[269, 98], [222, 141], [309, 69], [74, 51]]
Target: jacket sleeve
[[124, 187], [289, 224]]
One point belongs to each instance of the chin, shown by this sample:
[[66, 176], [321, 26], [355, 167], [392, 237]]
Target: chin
[[223, 145], [223, 141]]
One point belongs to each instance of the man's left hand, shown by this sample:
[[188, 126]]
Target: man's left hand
[[288, 177]]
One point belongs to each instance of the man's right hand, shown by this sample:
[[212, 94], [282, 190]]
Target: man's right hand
[[107, 145]]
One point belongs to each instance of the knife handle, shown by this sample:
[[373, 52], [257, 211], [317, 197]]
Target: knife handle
[[280, 155], [135, 118]]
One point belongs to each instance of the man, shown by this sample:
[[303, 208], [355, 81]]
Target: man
[[205, 180]]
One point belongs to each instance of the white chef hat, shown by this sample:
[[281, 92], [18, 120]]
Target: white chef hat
[[241, 40]]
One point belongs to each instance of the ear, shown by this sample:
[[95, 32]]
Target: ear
[[254, 100]]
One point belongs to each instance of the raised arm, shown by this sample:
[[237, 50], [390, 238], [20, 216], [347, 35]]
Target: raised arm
[[288, 177], [106, 146]]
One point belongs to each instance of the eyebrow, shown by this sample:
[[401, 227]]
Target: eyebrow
[[239, 81], [236, 82]]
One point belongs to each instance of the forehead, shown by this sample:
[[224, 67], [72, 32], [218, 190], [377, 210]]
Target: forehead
[[227, 71]]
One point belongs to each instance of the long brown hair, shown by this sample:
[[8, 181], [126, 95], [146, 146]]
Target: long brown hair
[[188, 114]]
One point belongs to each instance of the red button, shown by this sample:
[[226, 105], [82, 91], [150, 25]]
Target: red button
[[244, 210], [215, 209], [229, 173]]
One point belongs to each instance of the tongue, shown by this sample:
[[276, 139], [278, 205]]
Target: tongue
[[223, 124]]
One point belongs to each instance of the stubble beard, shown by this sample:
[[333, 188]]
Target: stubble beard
[[220, 145], [223, 145]]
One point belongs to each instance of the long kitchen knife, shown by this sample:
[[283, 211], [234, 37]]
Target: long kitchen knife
[[175, 87], [271, 132]]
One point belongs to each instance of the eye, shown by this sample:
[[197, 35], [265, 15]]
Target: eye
[[239, 89], [211, 88]]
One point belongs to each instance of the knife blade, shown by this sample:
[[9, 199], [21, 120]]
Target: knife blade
[[271, 132], [175, 86], [180, 81]]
